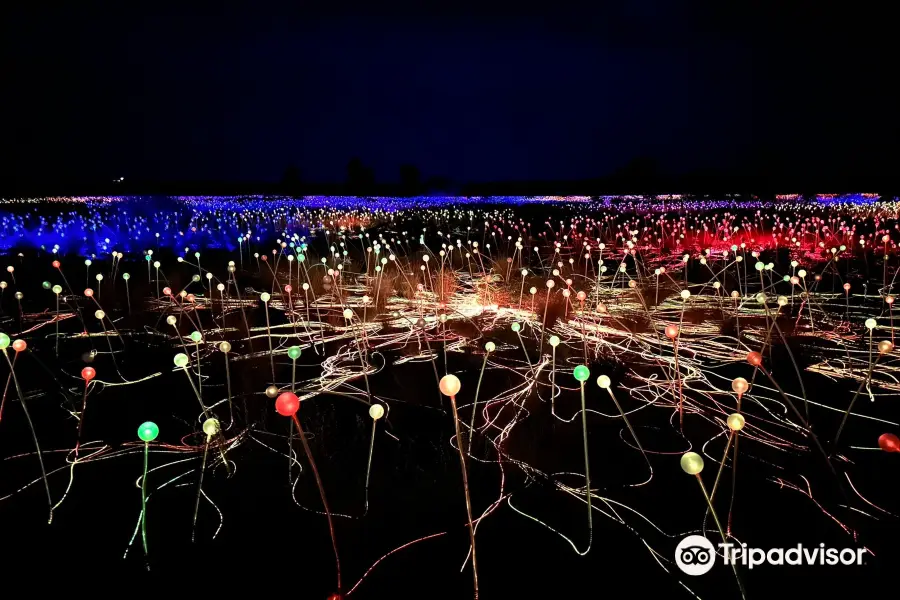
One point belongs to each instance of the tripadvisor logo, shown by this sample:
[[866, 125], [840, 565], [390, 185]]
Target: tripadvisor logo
[[696, 555]]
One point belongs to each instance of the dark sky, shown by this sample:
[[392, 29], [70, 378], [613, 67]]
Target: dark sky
[[473, 97]]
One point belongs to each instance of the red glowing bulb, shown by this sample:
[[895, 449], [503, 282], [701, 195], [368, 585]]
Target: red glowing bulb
[[889, 299], [88, 373], [19, 345], [190, 298], [754, 358], [264, 258], [55, 264], [287, 404], [88, 292], [889, 442], [671, 331], [167, 291], [288, 289]]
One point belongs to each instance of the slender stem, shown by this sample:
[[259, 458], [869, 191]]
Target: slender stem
[[369, 466], [722, 465], [196, 393], [228, 387], [269, 337], [475, 404], [587, 468], [312, 463], [144, 498], [33, 434], [721, 533], [630, 428], [465, 477], [200, 488]]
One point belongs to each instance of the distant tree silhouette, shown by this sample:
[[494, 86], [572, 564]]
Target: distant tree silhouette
[[641, 166], [437, 184], [410, 183], [360, 179], [290, 181]]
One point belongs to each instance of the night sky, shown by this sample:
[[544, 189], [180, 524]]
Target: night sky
[[474, 98]]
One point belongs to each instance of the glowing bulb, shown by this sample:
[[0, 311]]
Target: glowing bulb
[[449, 385], [691, 463], [287, 404], [181, 360], [604, 382], [211, 427], [581, 373], [735, 422], [148, 431], [376, 411]]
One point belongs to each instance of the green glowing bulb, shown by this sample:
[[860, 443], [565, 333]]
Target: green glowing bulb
[[148, 431], [4, 341], [181, 360], [57, 289], [516, 327], [294, 352], [691, 463], [46, 285], [554, 341], [196, 337], [582, 373], [211, 427], [126, 276]]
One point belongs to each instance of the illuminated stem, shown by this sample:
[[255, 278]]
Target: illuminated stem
[[734, 464], [465, 477], [200, 488], [369, 465], [630, 428], [144, 499], [475, 403], [6, 388], [521, 341], [33, 434], [81, 419], [722, 465], [587, 469], [228, 388], [553, 383], [852, 402], [196, 393], [199, 376], [680, 395], [57, 326], [269, 338], [312, 463], [721, 533]]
